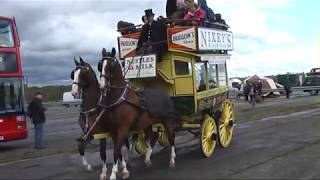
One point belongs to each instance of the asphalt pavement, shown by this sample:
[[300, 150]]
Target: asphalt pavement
[[278, 147]]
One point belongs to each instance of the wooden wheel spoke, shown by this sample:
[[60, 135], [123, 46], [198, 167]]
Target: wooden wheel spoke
[[225, 130], [208, 128]]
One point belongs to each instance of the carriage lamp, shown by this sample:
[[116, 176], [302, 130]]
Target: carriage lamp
[[1, 120]]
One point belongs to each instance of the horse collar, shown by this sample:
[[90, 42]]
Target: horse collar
[[121, 99]]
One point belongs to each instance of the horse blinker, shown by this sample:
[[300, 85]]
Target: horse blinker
[[72, 74]]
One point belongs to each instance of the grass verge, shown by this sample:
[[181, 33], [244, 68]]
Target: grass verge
[[258, 113]]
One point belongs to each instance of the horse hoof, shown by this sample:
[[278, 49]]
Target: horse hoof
[[103, 177], [148, 163], [172, 165], [89, 168], [125, 175], [113, 177]]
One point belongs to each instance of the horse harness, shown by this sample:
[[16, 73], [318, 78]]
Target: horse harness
[[122, 99], [86, 115]]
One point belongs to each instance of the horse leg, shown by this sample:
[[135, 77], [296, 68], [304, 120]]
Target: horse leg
[[117, 156], [81, 149], [171, 138], [129, 144], [103, 156], [151, 138], [125, 172]]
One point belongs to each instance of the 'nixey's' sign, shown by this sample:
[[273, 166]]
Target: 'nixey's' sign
[[211, 39]]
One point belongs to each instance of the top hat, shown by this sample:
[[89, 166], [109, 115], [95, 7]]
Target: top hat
[[149, 12]]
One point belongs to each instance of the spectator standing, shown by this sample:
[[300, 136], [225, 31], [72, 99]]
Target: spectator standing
[[37, 115], [287, 88]]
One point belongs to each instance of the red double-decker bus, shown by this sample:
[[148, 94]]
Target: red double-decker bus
[[13, 125]]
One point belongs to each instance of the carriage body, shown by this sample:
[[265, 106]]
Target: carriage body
[[193, 72]]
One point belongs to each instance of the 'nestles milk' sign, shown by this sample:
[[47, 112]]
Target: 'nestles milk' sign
[[140, 66], [185, 38], [211, 39], [127, 45]]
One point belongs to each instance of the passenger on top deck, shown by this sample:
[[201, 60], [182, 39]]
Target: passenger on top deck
[[153, 37], [194, 13], [171, 7], [181, 10], [209, 12]]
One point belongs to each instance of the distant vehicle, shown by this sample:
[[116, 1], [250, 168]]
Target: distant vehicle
[[312, 79], [68, 100], [13, 124]]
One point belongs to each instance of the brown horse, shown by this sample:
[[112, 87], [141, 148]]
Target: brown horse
[[85, 84], [128, 113]]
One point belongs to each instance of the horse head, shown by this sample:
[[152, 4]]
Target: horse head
[[82, 76], [110, 69]]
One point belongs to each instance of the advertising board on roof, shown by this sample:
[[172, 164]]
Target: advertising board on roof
[[140, 66], [182, 38], [212, 39], [128, 44]]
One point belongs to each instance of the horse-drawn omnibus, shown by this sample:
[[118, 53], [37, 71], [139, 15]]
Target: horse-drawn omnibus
[[194, 73], [13, 125], [185, 90]]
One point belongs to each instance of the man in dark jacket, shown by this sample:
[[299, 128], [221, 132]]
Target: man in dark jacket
[[36, 113], [287, 89], [153, 37]]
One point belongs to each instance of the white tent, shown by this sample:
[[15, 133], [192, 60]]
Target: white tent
[[267, 83]]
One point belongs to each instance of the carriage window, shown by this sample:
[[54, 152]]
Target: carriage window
[[212, 76], [201, 76], [222, 75], [182, 68]]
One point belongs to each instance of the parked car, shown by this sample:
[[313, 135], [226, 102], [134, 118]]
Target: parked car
[[68, 100]]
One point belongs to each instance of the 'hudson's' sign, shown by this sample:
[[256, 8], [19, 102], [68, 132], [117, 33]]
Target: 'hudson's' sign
[[211, 39], [185, 38], [127, 45]]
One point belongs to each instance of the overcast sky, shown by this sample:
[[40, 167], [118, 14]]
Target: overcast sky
[[270, 36]]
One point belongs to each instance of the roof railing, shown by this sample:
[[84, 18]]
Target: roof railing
[[208, 24]]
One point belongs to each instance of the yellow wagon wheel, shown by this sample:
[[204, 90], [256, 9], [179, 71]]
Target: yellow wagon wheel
[[163, 135], [226, 124], [163, 138], [141, 144], [208, 136]]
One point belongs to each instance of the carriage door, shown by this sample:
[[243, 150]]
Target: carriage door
[[183, 76]]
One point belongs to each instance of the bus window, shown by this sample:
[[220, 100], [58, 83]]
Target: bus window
[[8, 62], [6, 34], [201, 77], [212, 76], [222, 75], [10, 95]]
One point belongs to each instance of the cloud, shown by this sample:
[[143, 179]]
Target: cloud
[[274, 61], [53, 32]]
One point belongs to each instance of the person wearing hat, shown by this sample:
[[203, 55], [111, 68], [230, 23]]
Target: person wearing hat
[[153, 36]]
